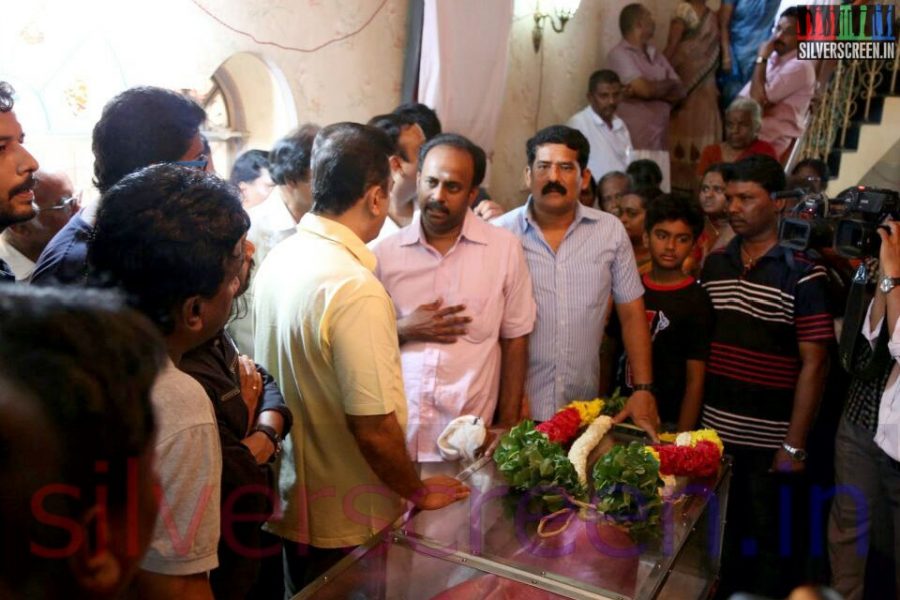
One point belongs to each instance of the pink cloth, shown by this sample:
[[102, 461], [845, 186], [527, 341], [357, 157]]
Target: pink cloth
[[790, 85], [647, 120], [486, 271]]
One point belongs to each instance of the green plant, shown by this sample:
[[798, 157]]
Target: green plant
[[626, 482], [530, 462]]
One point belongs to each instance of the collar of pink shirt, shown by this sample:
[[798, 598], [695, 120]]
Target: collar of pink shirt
[[471, 230]]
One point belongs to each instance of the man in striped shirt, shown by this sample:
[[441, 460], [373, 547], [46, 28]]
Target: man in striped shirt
[[578, 257], [765, 375]]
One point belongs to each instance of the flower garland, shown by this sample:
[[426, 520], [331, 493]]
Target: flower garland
[[694, 454]]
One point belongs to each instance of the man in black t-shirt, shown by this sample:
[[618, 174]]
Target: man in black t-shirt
[[678, 311]]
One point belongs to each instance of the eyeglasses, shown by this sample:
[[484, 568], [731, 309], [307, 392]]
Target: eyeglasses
[[63, 204], [199, 164]]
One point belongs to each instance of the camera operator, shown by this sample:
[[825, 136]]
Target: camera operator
[[867, 446]]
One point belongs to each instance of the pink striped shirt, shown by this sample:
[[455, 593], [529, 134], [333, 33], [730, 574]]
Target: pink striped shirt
[[486, 271]]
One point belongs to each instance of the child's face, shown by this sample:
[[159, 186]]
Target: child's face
[[670, 242], [632, 217]]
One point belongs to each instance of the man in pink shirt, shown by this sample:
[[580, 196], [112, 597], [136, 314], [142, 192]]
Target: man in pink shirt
[[651, 87], [782, 84], [464, 301]]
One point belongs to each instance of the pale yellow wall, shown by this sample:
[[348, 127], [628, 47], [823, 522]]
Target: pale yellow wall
[[569, 59], [47, 46]]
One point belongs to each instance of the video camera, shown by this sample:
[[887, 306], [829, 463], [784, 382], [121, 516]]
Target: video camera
[[848, 224]]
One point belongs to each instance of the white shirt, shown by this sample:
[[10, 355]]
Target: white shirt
[[21, 265], [270, 222], [611, 147], [887, 434]]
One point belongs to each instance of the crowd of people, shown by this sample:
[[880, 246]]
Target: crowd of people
[[221, 388]]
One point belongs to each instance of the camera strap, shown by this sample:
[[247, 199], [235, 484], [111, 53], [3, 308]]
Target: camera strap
[[852, 342]]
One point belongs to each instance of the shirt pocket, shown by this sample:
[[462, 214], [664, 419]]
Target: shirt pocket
[[485, 317]]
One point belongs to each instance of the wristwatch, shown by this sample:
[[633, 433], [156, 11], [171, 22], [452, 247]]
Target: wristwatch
[[760, 60], [642, 387], [888, 283], [796, 453], [273, 436]]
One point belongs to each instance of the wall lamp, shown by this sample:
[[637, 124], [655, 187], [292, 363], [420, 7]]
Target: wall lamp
[[558, 12]]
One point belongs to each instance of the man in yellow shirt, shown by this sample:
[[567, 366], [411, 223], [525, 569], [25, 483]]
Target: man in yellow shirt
[[325, 327]]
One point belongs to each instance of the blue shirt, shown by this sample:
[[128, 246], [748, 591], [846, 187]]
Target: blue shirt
[[572, 288], [64, 260]]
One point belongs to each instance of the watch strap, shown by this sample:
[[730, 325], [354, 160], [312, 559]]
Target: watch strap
[[273, 436], [642, 387], [796, 453]]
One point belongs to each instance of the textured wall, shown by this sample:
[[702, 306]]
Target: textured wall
[[538, 96], [75, 55]]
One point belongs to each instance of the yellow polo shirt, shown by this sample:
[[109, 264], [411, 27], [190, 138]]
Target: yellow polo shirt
[[326, 329]]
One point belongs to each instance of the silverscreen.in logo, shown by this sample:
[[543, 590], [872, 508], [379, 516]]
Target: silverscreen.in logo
[[846, 32]]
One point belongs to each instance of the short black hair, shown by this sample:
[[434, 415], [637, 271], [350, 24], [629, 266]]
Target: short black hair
[[816, 165], [348, 159], [559, 134], [647, 194], [425, 116], [86, 365], [630, 16], [290, 156], [791, 12], [248, 166], [758, 168], [675, 207], [6, 97], [142, 126], [602, 76], [723, 169], [164, 234], [645, 173], [393, 125], [479, 160]]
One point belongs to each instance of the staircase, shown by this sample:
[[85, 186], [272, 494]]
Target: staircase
[[856, 126]]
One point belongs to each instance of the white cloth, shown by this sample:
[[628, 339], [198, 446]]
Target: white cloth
[[189, 463], [390, 227], [460, 52], [887, 434], [611, 147], [462, 438], [21, 265]]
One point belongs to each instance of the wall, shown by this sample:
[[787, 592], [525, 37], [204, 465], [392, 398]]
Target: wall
[[538, 95], [74, 56]]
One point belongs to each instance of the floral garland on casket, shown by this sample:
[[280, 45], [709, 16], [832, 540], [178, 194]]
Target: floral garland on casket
[[629, 483]]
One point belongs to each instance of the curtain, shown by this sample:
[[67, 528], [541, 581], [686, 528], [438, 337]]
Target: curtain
[[462, 76]]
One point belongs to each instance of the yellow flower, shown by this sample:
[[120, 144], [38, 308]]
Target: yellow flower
[[588, 410], [652, 452], [707, 435]]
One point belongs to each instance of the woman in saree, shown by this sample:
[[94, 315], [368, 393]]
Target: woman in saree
[[693, 49], [742, 122]]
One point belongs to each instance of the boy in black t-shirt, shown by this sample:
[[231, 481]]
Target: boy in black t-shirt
[[678, 310]]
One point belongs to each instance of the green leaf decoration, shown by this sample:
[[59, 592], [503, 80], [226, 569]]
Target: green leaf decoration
[[626, 482], [530, 462]]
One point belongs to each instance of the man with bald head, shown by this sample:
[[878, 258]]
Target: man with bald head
[[17, 167], [22, 243]]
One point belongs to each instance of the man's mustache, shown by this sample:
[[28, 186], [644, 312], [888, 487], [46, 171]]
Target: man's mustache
[[436, 206], [26, 186], [554, 186]]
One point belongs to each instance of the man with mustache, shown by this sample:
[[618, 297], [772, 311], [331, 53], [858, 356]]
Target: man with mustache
[[578, 257], [17, 167], [22, 243], [765, 375], [782, 84], [463, 297]]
